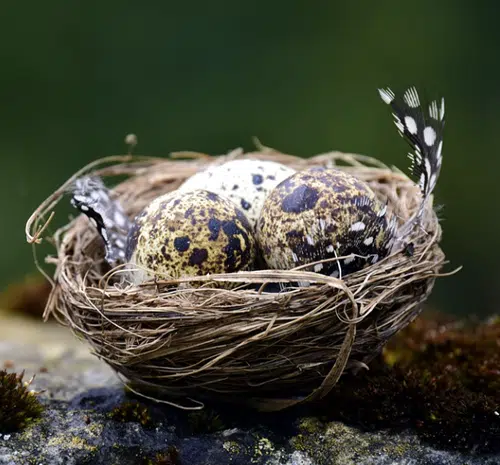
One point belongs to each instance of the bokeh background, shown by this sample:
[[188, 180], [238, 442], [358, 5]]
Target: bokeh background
[[76, 77]]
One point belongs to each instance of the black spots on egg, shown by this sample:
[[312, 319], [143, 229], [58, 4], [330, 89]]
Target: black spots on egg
[[238, 245], [165, 254], [301, 199], [257, 179], [193, 214], [230, 228], [245, 205], [153, 233], [242, 218], [237, 252], [181, 244], [214, 225], [235, 187], [212, 196], [189, 212], [231, 250], [198, 256]]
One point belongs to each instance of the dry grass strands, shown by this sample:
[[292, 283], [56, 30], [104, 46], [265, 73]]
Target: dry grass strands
[[187, 340]]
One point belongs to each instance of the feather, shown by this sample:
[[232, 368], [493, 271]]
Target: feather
[[424, 134], [92, 198]]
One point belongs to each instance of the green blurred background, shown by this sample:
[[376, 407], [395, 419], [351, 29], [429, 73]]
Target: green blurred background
[[78, 76]]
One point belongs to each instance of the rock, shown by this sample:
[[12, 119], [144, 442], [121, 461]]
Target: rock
[[89, 419]]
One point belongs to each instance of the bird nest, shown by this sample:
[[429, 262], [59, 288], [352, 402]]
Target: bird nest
[[264, 340]]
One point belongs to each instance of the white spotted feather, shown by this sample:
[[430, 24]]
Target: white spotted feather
[[423, 132]]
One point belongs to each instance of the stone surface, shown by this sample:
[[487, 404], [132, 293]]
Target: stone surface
[[81, 391]]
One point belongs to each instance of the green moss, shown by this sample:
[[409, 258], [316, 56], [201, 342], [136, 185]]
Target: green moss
[[438, 377], [18, 404], [169, 457], [263, 447], [300, 443], [204, 421], [132, 411], [311, 425], [232, 447]]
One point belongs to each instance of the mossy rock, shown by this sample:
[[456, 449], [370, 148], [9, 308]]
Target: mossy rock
[[89, 418]]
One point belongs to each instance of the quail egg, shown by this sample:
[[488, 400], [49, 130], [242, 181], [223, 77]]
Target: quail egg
[[189, 233], [245, 182], [322, 213]]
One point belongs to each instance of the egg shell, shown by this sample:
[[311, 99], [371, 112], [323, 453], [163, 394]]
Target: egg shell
[[245, 182], [190, 233], [319, 214]]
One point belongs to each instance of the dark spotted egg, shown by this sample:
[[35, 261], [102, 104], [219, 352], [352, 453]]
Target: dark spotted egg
[[245, 182], [321, 213], [189, 233]]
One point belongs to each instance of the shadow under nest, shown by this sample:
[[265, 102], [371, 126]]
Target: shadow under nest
[[253, 337]]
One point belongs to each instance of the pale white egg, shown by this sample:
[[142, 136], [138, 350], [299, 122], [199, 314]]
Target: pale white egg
[[246, 182]]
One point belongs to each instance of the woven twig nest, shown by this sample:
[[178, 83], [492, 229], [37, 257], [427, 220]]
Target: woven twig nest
[[250, 342]]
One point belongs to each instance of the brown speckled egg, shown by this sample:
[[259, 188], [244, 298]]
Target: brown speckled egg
[[321, 213], [189, 234]]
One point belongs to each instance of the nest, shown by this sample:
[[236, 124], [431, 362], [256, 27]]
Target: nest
[[246, 342]]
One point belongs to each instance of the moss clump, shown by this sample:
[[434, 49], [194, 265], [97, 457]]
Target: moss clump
[[438, 377], [169, 457], [232, 447], [204, 422], [132, 411], [18, 405], [310, 425], [263, 447]]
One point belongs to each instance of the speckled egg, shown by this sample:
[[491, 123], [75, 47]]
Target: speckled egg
[[319, 214], [190, 233], [245, 182]]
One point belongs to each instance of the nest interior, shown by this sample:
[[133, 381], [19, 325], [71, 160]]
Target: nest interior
[[192, 339]]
